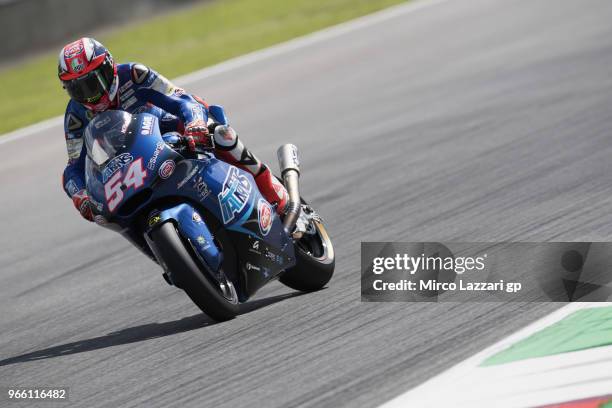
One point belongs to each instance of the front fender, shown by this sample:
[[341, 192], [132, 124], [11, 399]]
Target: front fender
[[193, 229]]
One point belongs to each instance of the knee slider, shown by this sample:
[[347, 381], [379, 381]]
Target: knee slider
[[225, 137]]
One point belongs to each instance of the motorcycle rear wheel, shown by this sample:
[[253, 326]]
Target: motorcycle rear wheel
[[315, 262]]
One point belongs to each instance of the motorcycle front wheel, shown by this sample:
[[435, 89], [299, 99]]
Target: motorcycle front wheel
[[218, 299]]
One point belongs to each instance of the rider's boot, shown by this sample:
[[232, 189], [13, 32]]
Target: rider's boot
[[231, 150]]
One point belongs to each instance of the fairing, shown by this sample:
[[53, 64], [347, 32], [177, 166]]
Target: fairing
[[174, 189]]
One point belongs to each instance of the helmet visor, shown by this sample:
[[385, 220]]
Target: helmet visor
[[90, 87]]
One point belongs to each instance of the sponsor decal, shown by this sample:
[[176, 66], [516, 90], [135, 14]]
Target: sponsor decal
[[187, 177], [102, 122], [201, 187], [147, 126], [153, 160], [204, 244], [294, 155], [270, 256], [126, 95], [73, 49], [100, 220], [130, 102], [166, 169], [251, 267], [255, 248], [126, 85], [264, 271], [273, 257], [154, 219], [234, 195], [71, 187], [97, 205], [115, 164], [169, 118], [264, 215], [77, 64], [196, 218], [178, 92]]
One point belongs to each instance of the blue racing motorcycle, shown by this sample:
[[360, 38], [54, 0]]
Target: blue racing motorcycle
[[202, 220]]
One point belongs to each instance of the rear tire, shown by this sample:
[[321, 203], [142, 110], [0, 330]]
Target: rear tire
[[202, 289], [315, 262]]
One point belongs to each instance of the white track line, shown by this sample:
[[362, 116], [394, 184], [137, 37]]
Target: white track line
[[234, 63], [451, 386]]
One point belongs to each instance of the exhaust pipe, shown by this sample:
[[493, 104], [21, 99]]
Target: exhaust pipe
[[290, 172]]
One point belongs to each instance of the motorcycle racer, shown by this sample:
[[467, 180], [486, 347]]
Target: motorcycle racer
[[95, 83]]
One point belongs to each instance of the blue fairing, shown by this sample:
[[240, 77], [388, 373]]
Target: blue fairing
[[192, 227], [146, 178]]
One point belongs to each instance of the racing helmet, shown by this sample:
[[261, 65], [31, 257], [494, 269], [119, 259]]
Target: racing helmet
[[88, 73]]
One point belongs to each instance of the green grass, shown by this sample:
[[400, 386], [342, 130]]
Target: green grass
[[176, 44]]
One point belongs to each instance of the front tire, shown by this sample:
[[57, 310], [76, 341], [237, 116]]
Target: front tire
[[207, 294], [315, 262]]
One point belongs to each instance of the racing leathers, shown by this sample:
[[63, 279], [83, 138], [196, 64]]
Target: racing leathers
[[141, 89]]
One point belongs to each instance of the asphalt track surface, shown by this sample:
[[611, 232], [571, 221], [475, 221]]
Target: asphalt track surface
[[480, 120]]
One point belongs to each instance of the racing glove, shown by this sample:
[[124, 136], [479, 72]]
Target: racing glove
[[83, 204], [196, 133]]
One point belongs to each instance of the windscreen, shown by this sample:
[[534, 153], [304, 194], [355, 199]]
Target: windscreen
[[108, 134]]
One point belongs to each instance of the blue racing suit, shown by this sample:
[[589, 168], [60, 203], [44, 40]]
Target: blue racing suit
[[140, 89]]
